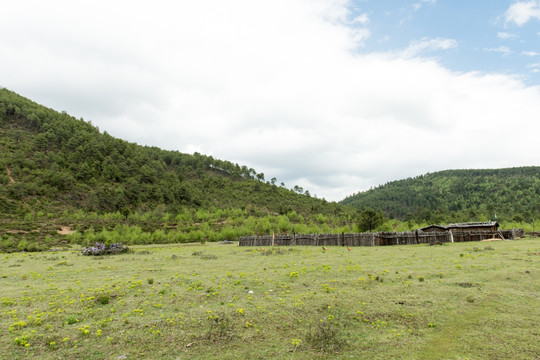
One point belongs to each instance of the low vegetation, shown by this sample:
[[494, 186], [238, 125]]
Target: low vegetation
[[214, 301]]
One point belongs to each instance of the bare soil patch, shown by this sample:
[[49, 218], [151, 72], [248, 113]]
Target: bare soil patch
[[65, 230], [9, 175]]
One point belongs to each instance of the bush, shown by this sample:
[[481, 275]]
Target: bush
[[324, 336], [103, 299], [220, 328], [102, 249]]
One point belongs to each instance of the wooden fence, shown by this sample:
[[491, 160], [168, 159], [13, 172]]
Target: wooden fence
[[374, 239]]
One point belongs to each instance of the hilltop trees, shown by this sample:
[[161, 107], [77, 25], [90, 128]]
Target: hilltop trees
[[458, 195], [56, 158]]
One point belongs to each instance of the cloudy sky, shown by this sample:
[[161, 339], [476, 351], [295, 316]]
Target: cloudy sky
[[335, 96]]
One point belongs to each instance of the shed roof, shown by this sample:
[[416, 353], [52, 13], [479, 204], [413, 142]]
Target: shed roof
[[488, 224], [472, 225]]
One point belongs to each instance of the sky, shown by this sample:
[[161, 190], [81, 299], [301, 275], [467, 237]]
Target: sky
[[335, 96]]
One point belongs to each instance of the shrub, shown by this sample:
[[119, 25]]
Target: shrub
[[324, 336], [103, 299], [220, 328], [72, 319]]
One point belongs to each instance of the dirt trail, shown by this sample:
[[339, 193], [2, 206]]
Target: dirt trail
[[66, 230], [9, 175]]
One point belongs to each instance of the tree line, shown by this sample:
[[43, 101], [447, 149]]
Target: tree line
[[511, 194]]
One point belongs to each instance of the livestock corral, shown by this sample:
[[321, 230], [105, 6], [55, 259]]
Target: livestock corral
[[380, 238]]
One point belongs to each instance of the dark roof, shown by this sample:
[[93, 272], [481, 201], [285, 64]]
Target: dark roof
[[464, 225], [472, 225], [442, 227]]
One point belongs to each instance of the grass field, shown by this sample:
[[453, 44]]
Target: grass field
[[477, 300]]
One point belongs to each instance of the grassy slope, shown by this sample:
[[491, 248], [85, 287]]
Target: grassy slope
[[457, 301]]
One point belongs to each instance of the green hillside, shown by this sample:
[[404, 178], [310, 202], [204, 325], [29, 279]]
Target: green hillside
[[458, 195], [56, 159], [59, 172], [53, 165]]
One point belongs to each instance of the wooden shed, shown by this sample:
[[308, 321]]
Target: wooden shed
[[474, 226]]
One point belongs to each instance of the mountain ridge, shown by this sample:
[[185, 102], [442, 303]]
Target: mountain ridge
[[458, 195], [53, 159]]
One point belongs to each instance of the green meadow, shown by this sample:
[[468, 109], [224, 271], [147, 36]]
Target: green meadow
[[476, 300]]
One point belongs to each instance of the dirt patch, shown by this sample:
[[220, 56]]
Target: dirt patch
[[9, 175], [16, 232], [65, 230]]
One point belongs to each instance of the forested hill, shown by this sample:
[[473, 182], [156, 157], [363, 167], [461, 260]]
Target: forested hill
[[458, 195], [53, 161]]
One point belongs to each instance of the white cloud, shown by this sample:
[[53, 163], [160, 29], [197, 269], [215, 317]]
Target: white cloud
[[501, 49], [534, 68], [523, 11], [530, 53], [425, 45], [405, 19], [418, 5], [278, 86], [505, 35], [362, 19]]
